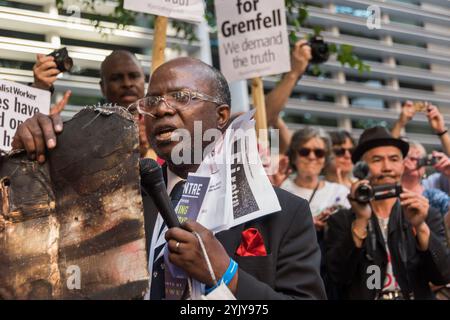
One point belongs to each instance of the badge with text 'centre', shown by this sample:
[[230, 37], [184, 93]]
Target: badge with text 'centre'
[[253, 39]]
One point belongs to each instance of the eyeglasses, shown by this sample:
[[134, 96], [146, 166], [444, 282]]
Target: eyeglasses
[[177, 100], [304, 152], [340, 152]]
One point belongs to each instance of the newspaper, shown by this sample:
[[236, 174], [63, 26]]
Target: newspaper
[[239, 189], [231, 188]]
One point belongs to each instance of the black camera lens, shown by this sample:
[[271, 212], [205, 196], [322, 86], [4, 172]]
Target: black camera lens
[[364, 193], [319, 50], [428, 160], [63, 61]]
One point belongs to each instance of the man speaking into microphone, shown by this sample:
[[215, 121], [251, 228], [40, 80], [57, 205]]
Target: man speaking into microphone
[[286, 262]]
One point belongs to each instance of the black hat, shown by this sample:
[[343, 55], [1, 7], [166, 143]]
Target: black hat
[[377, 137]]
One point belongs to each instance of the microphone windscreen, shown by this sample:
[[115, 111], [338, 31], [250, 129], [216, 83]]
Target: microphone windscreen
[[151, 173]]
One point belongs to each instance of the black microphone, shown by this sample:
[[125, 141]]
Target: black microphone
[[152, 182]]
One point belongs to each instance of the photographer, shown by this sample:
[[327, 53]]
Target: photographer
[[45, 72], [122, 82], [440, 179], [390, 248], [435, 119], [415, 164], [277, 99]]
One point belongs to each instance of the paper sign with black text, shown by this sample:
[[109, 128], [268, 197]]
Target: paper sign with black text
[[187, 10], [19, 102], [253, 40]]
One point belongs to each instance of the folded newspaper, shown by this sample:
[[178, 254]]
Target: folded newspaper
[[236, 186]]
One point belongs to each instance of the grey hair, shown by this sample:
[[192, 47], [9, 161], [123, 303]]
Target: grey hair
[[221, 86], [302, 136], [418, 145]]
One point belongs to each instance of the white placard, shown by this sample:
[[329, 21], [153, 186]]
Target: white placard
[[19, 102], [187, 10], [253, 40]]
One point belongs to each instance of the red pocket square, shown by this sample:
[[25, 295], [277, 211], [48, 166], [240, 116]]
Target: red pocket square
[[252, 244]]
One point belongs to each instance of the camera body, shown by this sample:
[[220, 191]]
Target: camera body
[[319, 50], [63, 61], [427, 161], [366, 193]]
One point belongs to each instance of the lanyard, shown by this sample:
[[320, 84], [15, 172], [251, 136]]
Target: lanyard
[[314, 192]]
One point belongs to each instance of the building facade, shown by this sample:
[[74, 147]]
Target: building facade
[[409, 56]]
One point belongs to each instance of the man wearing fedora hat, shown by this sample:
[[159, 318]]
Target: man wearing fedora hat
[[391, 248]]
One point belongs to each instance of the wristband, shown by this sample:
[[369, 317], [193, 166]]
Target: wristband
[[227, 276], [440, 134]]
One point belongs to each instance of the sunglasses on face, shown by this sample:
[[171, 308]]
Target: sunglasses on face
[[304, 152], [340, 152]]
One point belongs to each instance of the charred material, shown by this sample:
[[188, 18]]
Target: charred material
[[73, 228]]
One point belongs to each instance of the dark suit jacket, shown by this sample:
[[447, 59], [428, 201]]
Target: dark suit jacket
[[413, 269], [291, 268]]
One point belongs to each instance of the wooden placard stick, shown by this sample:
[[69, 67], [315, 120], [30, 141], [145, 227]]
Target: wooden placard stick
[[260, 116], [159, 42]]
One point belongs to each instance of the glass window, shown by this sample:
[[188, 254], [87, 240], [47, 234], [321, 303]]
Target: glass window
[[349, 32], [368, 103], [369, 123], [22, 35], [98, 45], [409, 42], [14, 64], [363, 13], [413, 64], [418, 128], [312, 96], [309, 119], [20, 5], [415, 86], [78, 100], [369, 82]]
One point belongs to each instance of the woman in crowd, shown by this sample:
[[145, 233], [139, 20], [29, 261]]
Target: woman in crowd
[[340, 166], [413, 175], [308, 154]]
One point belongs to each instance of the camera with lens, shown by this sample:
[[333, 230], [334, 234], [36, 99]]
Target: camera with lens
[[63, 61], [319, 50], [427, 161], [366, 193]]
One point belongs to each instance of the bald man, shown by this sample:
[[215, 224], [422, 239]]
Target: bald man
[[283, 264], [122, 79], [122, 83]]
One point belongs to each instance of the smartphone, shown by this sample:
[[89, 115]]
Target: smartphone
[[335, 209], [420, 106]]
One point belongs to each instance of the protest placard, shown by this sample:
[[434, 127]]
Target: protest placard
[[187, 10], [19, 102], [253, 40]]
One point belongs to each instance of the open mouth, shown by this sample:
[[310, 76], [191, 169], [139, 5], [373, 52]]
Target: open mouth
[[164, 134], [129, 98]]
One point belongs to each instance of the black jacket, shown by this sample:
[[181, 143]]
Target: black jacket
[[291, 268], [413, 269]]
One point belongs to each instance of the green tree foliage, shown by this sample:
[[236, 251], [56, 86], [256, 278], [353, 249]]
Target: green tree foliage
[[296, 14]]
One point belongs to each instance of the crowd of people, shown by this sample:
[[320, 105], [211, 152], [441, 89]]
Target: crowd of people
[[326, 241]]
